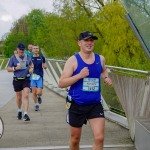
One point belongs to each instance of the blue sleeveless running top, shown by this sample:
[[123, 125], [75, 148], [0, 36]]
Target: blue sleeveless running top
[[87, 90]]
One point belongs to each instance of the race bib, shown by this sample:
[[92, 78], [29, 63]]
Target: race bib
[[91, 84], [23, 65], [35, 77]]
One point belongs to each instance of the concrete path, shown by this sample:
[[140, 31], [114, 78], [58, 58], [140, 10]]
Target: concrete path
[[48, 128], [6, 88]]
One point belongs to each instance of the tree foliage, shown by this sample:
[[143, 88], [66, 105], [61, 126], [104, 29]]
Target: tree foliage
[[35, 21], [120, 47], [57, 32]]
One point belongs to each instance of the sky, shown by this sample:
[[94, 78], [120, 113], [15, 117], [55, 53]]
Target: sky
[[12, 10]]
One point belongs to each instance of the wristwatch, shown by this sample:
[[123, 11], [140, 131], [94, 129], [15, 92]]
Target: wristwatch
[[14, 69]]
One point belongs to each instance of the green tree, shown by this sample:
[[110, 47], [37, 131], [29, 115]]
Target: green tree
[[35, 20], [62, 31], [18, 33], [121, 47], [57, 32], [11, 42]]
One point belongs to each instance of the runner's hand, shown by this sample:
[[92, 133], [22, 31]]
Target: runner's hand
[[84, 72], [108, 81], [18, 67], [31, 70]]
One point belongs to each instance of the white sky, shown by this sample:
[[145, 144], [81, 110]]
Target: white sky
[[11, 10]]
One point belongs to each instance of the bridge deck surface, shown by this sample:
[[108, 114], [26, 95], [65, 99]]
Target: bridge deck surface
[[48, 128]]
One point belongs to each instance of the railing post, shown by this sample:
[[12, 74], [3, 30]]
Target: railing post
[[2, 64]]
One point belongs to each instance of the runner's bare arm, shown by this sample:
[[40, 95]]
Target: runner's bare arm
[[104, 74], [66, 78], [44, 65], [10, 69], [31, 68]]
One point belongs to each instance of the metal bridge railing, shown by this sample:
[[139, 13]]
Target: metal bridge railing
[[51, 79], [3, 63], [54, 70]]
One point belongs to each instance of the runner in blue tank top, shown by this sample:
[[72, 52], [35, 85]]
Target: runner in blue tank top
[[82, 72]]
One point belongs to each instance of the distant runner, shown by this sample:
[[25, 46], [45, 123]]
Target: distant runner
[[29, 50], [20, 64], [37, 76]]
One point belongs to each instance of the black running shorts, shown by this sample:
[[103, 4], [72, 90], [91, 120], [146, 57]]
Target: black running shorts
[[79, 114], [19, 85]]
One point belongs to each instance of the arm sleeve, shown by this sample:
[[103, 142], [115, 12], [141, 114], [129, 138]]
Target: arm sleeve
[[10, 63]]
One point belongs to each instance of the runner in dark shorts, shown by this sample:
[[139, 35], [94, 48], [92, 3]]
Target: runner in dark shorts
[[78, 114], [21, 65], [82, 74]]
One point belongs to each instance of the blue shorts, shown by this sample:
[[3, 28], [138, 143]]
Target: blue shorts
[[79, 114], [37, 83]]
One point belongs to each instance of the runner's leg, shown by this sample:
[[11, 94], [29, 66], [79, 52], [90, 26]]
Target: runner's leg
[[97, 126], [34, 94], [26, 99], [19, 99], [75, 134]]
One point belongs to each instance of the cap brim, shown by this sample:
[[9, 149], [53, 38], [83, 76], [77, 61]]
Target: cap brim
[[93, 37]]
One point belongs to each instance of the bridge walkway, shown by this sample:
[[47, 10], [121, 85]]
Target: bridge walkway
[[48, 128]]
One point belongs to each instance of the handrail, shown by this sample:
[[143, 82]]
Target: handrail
[[63, 61], [128, 69], [2, 63], [110, 67]]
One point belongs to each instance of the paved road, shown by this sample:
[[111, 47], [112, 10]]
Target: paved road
[[48, 128]]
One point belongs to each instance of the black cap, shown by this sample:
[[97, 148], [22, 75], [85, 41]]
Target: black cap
[[21, 46], [86, 35]]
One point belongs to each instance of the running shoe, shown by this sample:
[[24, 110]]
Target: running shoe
[[26, 118], [19, 117], [39, 100], [36, 108]]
